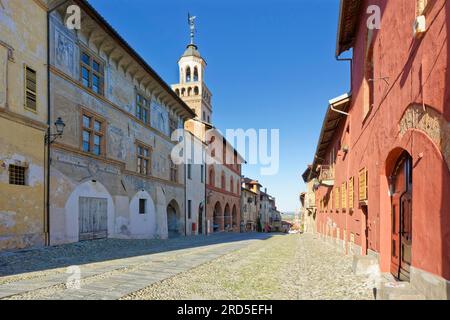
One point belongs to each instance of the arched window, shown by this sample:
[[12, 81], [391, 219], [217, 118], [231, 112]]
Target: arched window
[[189, 91], [223, 181], [188, 74], [196, 91], [231, 185], [177, 91], [195, 74], [212, 177], [183, 92]]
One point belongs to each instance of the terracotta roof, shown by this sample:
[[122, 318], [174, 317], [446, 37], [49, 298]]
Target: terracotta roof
[[348, 21]]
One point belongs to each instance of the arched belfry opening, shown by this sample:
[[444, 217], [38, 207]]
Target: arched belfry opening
[[188, 74], [196, 74]]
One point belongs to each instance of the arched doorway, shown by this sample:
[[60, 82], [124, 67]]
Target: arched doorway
[[173, 219], [218, 218], [401, 192], [227, 218], [234, 218]]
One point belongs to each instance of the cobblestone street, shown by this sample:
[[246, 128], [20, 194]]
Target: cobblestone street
[[226, 266]]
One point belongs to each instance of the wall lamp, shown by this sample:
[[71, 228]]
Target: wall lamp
[[59, 125]]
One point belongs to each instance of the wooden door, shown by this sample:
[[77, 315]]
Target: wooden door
[[405, 235], [93, 219], [395, 250], [402, 219]]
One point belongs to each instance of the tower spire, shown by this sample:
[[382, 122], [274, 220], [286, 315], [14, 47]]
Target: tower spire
[[191, 22]]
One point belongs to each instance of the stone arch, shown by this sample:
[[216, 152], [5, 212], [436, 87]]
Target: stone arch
[[227, 218], [196, 91], [90, 189], [174, 225], [183, 92], [189, 91], [177, 91], [188, 74], [142, 224], [196, 73], [218, 217]]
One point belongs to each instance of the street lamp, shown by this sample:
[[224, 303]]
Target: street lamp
[[51, 137]]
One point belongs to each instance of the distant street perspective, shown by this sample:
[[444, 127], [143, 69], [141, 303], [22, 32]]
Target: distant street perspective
[[246, 266]]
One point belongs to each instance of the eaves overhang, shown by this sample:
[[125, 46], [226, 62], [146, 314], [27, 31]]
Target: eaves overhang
[[330, 124], [349, 14]]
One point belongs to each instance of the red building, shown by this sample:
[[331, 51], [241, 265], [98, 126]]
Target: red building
[[383, 158]]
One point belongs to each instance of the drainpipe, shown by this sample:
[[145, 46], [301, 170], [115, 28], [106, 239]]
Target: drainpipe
[[47, 206]]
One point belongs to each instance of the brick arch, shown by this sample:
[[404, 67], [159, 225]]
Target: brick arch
[[227, 218]]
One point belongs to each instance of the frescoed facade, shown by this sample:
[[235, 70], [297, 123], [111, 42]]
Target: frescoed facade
[[112, 174]]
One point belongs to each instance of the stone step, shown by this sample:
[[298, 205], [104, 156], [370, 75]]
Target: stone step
[[394, 290]]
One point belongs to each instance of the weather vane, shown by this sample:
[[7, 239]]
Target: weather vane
[[191, 21]]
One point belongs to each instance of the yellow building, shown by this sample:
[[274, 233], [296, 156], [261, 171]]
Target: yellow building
[[23, 123]]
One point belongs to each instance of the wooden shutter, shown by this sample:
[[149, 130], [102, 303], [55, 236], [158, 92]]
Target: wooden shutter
[[30, 88]]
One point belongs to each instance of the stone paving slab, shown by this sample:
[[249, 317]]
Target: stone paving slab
[[120, 277]]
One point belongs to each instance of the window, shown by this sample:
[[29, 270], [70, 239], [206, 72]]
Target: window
[[142, 108], [92, 134], [212, 177], [189, 169], [92, 75], [144, 159], [142, 206], [202, 174], [369, 76], [173, 171], [223, 183], [231, 185], [189, 209], [188, 74], [30, 89], [17, 175], [204, 116], [196, 74]]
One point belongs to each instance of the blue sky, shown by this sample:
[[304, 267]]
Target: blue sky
[[271, 65]]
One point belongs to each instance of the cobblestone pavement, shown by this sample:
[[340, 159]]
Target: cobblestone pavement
[[226, 266]]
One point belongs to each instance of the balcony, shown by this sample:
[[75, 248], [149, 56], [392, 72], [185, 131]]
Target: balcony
[[326, 176]]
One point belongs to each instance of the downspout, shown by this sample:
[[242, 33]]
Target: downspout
[[47, 206]]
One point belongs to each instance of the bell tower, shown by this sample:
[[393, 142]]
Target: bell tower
[[191, 87]]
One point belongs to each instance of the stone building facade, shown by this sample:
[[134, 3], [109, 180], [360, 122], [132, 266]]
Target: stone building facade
[[382, 164], [112, 174], [308, 210], [23, 123], [251, 203], [223, 163]]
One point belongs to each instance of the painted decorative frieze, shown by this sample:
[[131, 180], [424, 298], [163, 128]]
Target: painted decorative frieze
[[432, 124]]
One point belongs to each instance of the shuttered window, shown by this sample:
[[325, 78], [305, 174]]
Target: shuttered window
[[30, 89]]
